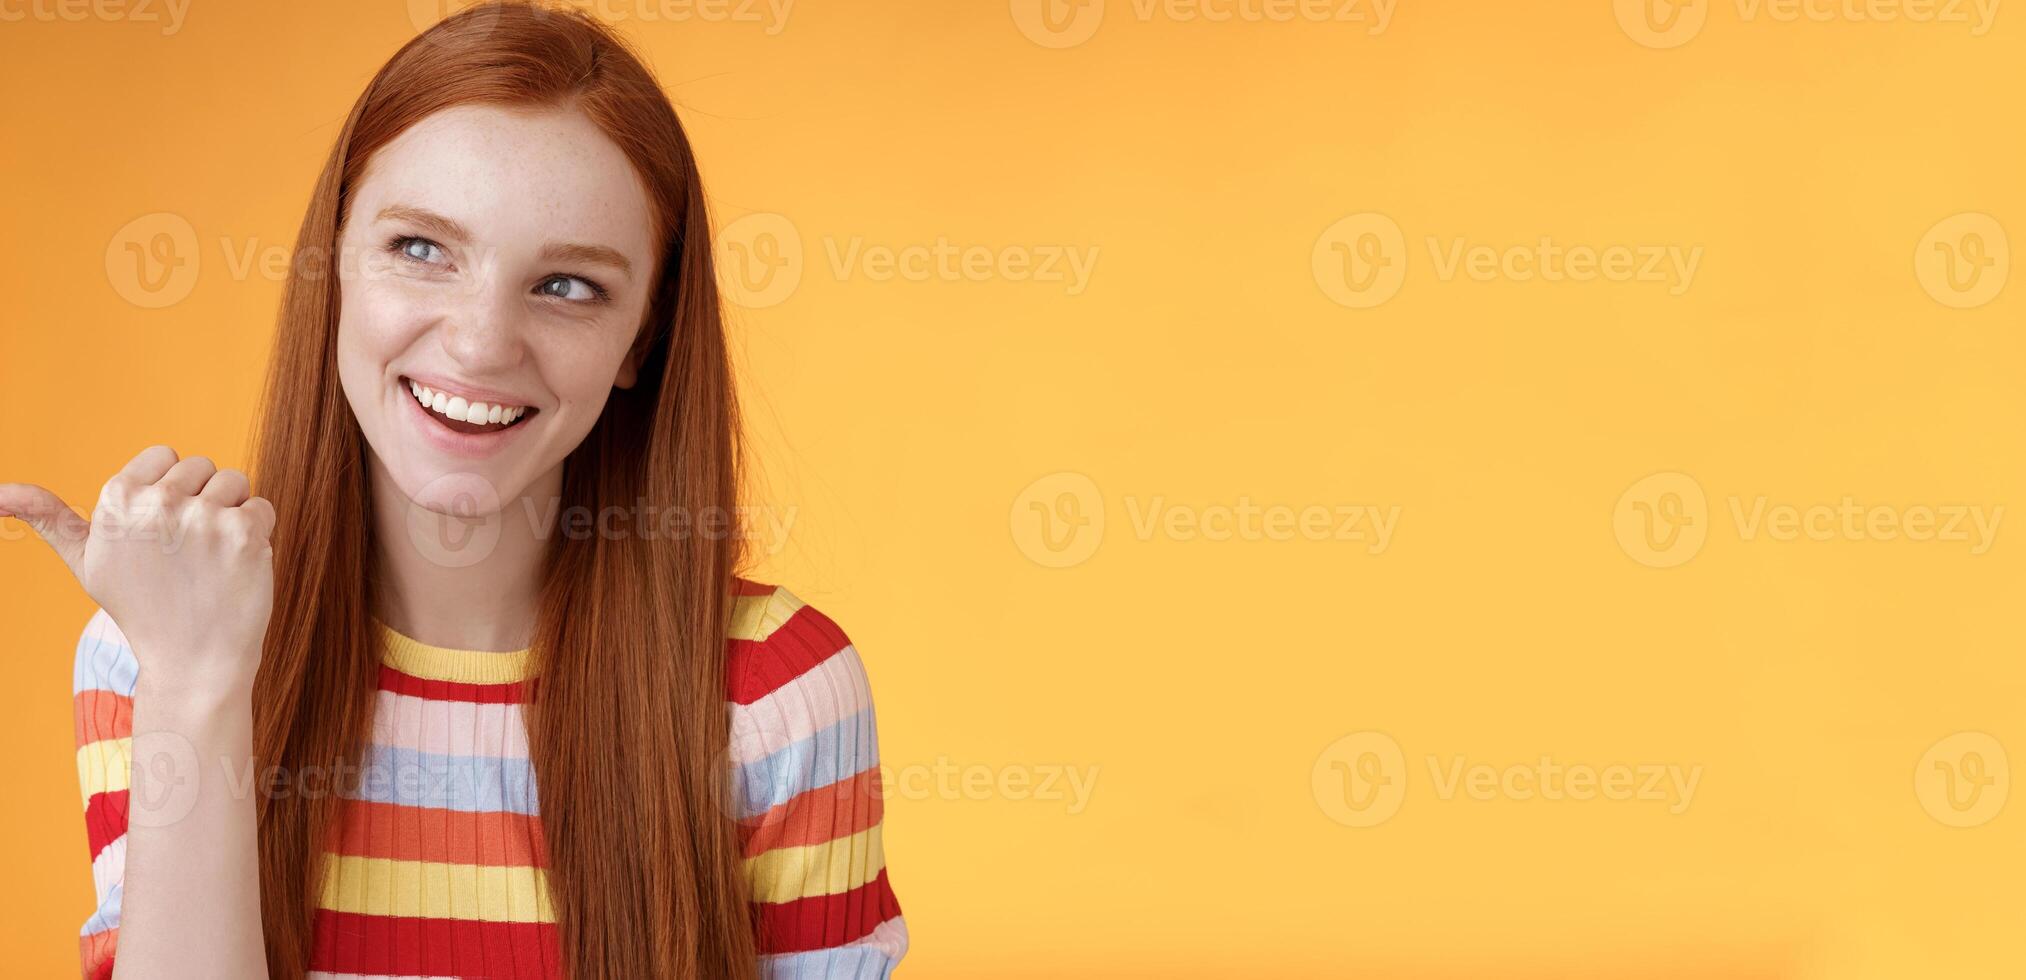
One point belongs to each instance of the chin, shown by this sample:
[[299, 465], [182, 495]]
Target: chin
[[456, 493]]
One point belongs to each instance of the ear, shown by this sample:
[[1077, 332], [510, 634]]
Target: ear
[[629, 369]]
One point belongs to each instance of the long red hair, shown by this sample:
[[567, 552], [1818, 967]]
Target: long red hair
[[643, 858]]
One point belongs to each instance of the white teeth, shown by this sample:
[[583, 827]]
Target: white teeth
[[452, 406]]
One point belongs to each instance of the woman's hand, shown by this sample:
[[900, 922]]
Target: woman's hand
[[177, 552]]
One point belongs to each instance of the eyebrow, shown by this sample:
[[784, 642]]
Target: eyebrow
[[428, 221], [575, 252], [443, 227]]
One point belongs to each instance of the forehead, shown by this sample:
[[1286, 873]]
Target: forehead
[[519, 175]]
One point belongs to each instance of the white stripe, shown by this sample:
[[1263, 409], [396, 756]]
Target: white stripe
[[832, 690], [109, 867], [890, 937], [322, 975]]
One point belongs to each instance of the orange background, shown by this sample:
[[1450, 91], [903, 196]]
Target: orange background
[[1538, 597]]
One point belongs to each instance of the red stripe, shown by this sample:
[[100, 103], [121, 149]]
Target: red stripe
[[413, 833], [758, 668], [741, 586], [101, 714], [96, 952], [824, 921], [105, 819], [816, 816], [347, 942], [422, 687]]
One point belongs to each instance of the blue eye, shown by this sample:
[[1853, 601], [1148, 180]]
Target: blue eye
[[417, 249], [573, 288]]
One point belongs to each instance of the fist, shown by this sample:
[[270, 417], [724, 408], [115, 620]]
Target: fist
[[178, 552]]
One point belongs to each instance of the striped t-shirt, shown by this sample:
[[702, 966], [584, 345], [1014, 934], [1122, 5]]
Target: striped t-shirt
[[437, 866]]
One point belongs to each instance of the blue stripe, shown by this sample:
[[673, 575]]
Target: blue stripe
[[108, 914], [465, 783], [841, 963], [841, 751], [102, 663]]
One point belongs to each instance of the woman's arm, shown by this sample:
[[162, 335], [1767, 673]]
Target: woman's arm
[[170, 817], [178, 552], [805, 757]]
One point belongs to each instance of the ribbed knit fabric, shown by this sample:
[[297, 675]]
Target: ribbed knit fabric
[[437, 868]]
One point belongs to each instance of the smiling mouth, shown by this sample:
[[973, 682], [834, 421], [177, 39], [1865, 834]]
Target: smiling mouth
[[468, 417]]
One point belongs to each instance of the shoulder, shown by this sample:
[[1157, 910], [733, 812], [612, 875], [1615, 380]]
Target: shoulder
[[806, 792], [776, 640], [801, 705]]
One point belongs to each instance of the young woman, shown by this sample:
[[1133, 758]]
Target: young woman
[[500, 448]]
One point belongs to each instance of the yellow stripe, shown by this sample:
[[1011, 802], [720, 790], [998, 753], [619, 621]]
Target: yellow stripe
[[418, 659], [103, 766], [788, 873], [381, 886], [756, 617]]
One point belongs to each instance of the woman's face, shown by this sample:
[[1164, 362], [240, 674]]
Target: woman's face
[[496, 262]]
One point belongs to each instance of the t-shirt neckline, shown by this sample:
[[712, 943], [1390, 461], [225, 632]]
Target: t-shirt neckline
[[418, 659]]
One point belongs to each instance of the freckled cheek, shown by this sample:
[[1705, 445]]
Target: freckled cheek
[[381, 319], [578, 370], [377, 324]]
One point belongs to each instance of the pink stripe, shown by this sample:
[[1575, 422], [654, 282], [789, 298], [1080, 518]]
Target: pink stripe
[[449, 727], [818, 698]]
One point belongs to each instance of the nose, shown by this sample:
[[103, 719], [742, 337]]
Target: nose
[[484, 331]]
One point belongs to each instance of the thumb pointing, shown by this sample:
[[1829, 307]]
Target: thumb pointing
[[63, 528]]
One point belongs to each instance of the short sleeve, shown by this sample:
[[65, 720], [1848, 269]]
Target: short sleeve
[[806, 785], [102, 701]]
